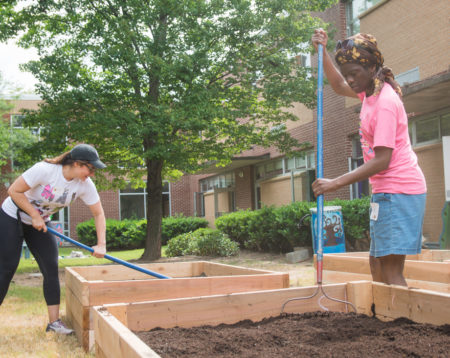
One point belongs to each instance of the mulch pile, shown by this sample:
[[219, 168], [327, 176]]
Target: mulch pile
[[317, 334]]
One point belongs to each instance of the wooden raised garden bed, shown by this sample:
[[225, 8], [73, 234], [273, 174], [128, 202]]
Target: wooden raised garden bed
[[97, 285], [429, 270], [115, 324]]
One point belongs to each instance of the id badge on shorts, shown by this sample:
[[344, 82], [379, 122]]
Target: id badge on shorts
[[374, 211]]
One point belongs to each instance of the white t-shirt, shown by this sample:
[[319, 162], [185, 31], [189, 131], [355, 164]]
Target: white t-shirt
[[50, 191]]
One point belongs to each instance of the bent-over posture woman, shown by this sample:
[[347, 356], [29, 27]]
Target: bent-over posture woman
[[39, 192]]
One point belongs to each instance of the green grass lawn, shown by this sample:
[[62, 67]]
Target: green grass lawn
[[30, 265]]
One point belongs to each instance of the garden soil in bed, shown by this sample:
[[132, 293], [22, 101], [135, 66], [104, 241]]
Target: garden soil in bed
[[318, 334]]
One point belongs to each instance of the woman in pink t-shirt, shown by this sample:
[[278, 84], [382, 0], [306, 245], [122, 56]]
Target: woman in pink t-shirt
[[398, 185]]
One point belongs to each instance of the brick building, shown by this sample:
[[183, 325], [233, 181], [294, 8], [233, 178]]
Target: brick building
[[413, 37]]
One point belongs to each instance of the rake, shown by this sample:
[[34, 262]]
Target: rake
[[320, 197], [111, 258]]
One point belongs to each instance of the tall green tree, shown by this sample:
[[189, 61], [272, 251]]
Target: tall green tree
[[163, 85]]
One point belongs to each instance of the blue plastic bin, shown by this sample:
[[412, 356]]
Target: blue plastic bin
[[333, 230]]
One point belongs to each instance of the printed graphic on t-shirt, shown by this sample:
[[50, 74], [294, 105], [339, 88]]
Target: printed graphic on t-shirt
[[63, 197], [47, 193], [367, 150], [54, 200]]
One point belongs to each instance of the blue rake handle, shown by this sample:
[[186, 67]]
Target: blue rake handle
[[111, 258], [320, 163]]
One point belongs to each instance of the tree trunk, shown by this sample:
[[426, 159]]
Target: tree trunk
[[154, 210]]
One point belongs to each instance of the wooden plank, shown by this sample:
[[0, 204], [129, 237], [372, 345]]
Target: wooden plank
[[425, 255], [70, 316], [213, 310], [349, 254], [80, 320], [440, 255], [171, 269], [360, 294], [346, 264], [121, 273], [215, 269], [78, 312], [132, 291], [421, 306], [416, 270], [77, 284], [427, 271], [115, 340], [82, 335], [341, 277]]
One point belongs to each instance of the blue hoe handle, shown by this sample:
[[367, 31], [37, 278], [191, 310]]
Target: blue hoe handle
[[111, 258], [319, 161]]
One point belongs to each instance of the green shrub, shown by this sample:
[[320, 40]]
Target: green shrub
[[202, 242], [179, 224], [235, 225], [178, 246], [125, 234], [131, 234], [277, 229]]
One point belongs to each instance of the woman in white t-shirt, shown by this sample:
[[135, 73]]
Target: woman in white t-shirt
[[39, 192]]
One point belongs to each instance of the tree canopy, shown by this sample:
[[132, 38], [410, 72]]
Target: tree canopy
[[164, 85]]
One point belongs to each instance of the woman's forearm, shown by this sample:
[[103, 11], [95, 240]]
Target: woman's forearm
[[368, 169], [100, 227]]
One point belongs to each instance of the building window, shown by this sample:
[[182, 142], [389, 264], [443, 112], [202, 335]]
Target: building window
[[133, 202], [409, 76], [285, 165], [354, 8], [360, 189], [218, 181], [429, 130], [199, 204], [258, 198]]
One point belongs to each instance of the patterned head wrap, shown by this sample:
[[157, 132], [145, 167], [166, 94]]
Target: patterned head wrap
[[362, 49]]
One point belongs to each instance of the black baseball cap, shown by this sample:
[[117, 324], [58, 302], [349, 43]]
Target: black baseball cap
[[87, 153]]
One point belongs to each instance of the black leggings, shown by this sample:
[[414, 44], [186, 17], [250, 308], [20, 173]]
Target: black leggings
[[42, 245]]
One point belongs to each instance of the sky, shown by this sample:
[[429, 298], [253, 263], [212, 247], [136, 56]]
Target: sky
[[10, 57]]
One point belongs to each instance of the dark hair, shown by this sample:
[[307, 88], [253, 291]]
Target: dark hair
[[63, 159]]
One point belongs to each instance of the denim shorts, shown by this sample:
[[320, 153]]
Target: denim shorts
[[396, 222]]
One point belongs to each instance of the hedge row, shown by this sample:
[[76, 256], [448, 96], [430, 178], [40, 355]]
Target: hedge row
[[131, 234], [277, 229], [269, 229]]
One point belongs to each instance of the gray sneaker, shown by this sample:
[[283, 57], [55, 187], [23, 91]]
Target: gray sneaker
[[59, 327]]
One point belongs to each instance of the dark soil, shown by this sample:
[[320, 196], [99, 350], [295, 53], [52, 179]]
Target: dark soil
[[318, 334]]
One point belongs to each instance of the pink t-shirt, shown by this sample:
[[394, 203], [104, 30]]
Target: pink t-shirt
[[384, 123]]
